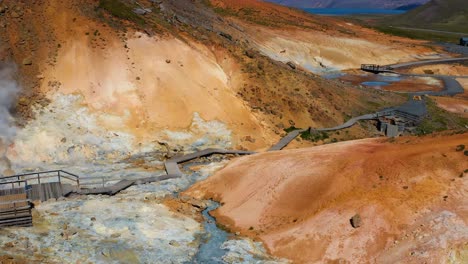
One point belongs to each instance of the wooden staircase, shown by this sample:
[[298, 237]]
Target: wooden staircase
[[15, 210]]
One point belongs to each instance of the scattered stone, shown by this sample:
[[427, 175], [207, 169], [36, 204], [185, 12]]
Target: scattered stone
[[168, 61], [356, 221], [15, 14], [250, 54], [142, 11], [63, 140], [249, 139], [460, 148], [93, 219], [226, 35], [291, 65], [9, 245], [27, 61], [174, 243], [405, 187], [23, 101]]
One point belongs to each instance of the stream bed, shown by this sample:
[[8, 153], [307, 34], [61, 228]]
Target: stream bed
[[210, 251]]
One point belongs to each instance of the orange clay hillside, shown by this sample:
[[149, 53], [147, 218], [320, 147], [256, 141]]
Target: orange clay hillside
[[410, 195], [153, 73]]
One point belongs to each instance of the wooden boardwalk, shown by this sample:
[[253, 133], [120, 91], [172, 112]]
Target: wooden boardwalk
[[15, 202]]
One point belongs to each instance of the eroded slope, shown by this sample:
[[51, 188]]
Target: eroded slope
[[410, 194]]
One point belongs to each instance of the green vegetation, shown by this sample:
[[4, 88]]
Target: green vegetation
[[447, 15], [120, 10], [314, 136], [291, 129], [439, 120], [416, 34]]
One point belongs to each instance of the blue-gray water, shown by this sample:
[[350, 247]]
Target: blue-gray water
[[375, 84], [211, 252], [352, 11]]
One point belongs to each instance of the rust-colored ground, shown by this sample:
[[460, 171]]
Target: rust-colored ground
[[441, 69], [411, 195], [152, 83], [407, 84], [453, 104]]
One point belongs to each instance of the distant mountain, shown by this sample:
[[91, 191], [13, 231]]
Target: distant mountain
[[449, 15], [408, 7], [377, 4]]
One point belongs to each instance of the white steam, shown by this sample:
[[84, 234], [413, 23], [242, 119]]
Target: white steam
[[8, 93]]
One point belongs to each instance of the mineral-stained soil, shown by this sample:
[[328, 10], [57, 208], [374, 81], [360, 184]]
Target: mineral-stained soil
[[411, 194], [144, 78]]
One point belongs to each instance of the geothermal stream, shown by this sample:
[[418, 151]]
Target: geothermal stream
[[133, 226]]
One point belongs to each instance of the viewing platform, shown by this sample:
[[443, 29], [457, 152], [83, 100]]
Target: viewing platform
[[374, 68]]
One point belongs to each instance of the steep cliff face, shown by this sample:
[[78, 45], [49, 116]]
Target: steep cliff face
[[386, 4]]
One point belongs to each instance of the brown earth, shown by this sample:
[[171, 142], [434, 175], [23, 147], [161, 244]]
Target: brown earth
[[11, 260], [453, 105], [441, 69], [410, 193], [224, 63], [410, 84]]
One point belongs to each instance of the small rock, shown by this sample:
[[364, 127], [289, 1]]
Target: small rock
[[15, 14], [249, 139], [291, 65], [27, 61], [93, 218], [356, 221], [142, 11], [460, 148], [168, 61], [115, 235], [226, 35], [174, 243], [9, 245], [250, 54], [23, 101]]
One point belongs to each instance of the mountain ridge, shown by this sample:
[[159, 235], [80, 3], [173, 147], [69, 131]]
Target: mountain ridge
[[379, 4], [446, 15]]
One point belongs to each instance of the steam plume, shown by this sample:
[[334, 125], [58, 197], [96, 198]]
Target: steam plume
[[8, 93]]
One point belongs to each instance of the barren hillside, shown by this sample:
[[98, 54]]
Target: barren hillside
[[410, 195], [188, 73]]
